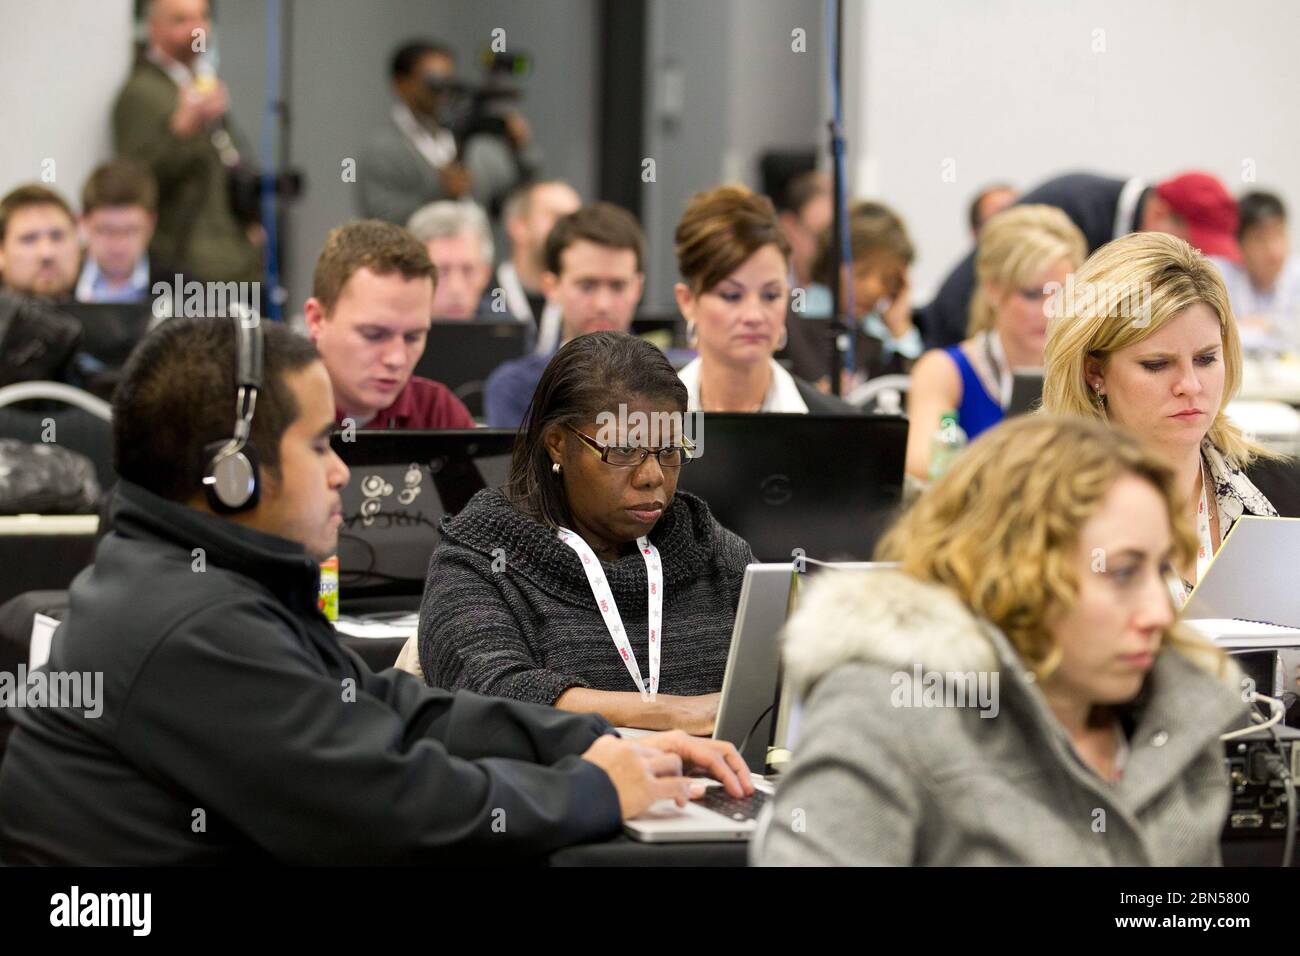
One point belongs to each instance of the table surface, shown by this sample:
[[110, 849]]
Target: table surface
[[622, 850]]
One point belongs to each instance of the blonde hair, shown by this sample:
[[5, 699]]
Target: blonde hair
[[1126, 291], [1015, 246], [1002, 526]]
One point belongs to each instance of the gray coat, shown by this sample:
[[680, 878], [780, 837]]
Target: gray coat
[[874, 781]]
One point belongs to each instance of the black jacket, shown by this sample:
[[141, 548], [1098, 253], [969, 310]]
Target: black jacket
[[1279, 481], [1090, 202], [227, 692], [819, 403]]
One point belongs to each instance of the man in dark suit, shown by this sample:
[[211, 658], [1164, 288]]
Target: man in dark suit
[[1193, 206]]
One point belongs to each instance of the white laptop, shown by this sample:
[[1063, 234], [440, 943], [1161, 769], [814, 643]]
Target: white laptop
[[752, 715], [1249, 595]]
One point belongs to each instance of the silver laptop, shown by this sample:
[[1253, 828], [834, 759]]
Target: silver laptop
[[1252, 577], [750, 708]]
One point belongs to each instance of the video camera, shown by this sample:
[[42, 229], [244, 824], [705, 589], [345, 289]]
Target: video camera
[[474, 109]]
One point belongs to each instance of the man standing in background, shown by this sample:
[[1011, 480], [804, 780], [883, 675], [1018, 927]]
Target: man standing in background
[[171, 117], [415, 158]]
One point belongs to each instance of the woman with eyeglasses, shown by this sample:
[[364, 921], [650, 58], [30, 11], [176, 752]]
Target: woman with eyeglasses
[[590, 582], [1024, 252], [1019, 690]]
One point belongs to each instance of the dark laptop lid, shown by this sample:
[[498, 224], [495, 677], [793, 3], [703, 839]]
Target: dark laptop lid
[[403, 484], [110, 330], [462, 354], [827, 484]]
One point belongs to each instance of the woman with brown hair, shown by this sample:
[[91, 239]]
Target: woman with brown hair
[[735, 267], [1019, 690]]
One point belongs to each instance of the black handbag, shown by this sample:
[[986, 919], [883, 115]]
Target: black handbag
[[45, 479]]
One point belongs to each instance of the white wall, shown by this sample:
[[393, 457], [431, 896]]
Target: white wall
[[55, 99], [1013, 89]]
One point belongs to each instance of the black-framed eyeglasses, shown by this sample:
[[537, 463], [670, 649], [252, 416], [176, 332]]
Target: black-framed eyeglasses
[[626, 456]]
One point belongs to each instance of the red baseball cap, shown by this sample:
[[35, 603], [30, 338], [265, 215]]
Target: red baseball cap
[[1209, 211]]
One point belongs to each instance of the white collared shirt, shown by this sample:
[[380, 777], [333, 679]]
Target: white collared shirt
[[438, 149], [93, 287], [551, 322], [178, 72], [1126, 208], [782, 393]]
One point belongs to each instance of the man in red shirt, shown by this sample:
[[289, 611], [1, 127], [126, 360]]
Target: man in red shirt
[[369, 314]]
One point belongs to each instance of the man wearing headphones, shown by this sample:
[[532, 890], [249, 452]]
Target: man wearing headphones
[[232, 725]]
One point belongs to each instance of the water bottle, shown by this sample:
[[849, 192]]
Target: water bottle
[[946, 445]]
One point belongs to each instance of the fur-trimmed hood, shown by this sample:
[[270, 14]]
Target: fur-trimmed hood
[[890, 618], [882, 617]]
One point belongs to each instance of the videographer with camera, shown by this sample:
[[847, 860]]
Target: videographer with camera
[[444, 139], [171, 116]]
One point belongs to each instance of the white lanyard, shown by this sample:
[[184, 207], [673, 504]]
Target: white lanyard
[[438, 149], [997, 360], [1204, 544], [654, 573]]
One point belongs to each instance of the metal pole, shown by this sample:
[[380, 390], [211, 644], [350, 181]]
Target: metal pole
[[841, 325]]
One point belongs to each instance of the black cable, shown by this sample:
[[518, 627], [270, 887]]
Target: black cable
[[758, 720], [1288, 783]]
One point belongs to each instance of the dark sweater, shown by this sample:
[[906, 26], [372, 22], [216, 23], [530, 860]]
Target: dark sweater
[[228, 691], [532, 630]]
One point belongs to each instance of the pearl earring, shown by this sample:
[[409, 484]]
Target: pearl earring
[[555, 469]]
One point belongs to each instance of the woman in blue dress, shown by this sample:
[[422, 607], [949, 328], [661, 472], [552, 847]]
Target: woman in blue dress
[[1024, 254]]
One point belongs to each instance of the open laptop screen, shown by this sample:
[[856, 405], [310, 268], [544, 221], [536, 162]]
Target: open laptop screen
[[827, 484], [403, 484]]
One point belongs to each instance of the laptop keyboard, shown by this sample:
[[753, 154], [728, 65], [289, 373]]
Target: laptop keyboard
[[740, 809]]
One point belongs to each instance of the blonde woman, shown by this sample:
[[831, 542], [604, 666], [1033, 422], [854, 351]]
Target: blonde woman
[[1004, 697], [1146, 339], [1023, 254]]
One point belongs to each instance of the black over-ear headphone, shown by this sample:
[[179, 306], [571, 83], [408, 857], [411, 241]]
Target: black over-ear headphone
[[231, 479]]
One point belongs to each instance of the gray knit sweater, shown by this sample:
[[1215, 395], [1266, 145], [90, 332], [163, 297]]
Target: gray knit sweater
[[531, 629]]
